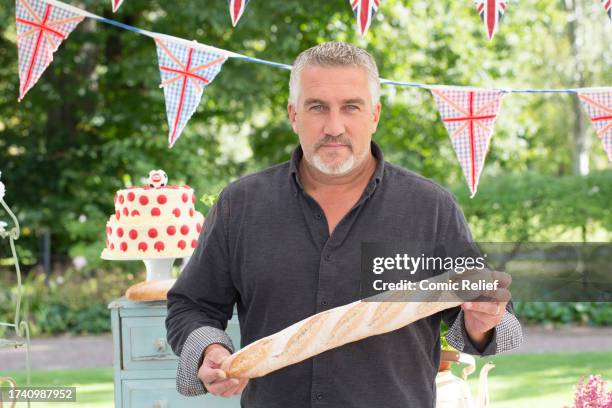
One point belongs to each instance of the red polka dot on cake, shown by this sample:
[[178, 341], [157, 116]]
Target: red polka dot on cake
[[176, 212], [143, 200], [152, 232], [135, 213], [198, 228], [182, 244], [185, 197], [193, 198], [194, 243], [126, 212], [159, 246], [133, 234], [121, 199], [171, 230], [117, 215], [112, 246], [109, 231], [162, 199], [191, 212], [131, 196], [155, 212], [142, 246], [119, 232], [184, 230], [124, 246]]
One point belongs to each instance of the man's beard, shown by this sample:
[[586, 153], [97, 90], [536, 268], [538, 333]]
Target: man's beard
[[342, 168]]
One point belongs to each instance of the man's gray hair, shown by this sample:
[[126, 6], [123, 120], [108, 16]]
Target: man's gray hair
[[334, 54]]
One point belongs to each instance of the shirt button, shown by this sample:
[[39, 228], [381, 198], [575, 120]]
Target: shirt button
[[328, 257], [318, 216], [324, 303], [319, 396]]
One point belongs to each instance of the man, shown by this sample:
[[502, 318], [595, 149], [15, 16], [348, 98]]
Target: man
[[284, 244]]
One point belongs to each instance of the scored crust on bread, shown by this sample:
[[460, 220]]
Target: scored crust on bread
[[336, 327], [150, 290]]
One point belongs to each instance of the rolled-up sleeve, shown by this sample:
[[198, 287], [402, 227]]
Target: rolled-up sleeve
[[201, 301]]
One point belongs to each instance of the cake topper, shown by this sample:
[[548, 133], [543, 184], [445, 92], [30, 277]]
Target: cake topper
[[157, 178]]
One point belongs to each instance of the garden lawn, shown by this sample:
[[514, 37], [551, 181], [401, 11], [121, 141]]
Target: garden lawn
[[518, 380], [539, 380]]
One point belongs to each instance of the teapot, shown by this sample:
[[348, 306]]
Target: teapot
[[454, 392]]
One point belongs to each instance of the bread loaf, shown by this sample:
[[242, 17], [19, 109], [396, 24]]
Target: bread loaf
[[332, 328], [150, 290]]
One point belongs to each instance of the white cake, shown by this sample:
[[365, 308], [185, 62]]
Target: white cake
[[154, 221]]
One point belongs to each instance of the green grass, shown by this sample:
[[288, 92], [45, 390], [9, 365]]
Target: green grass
[[94, 387], [518, 380], [539, 380]]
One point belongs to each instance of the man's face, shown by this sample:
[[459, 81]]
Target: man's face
[[334, 118]]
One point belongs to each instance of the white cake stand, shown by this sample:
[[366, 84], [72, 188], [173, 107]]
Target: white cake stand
[[158, 268]]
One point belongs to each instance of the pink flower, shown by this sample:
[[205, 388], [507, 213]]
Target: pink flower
[[593, 394]]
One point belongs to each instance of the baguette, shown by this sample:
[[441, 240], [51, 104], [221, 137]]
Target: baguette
[[335, 327], [150, 290]]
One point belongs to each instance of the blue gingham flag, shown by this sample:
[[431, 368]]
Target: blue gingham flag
[[116, 4], [469, 116], [41, 28], [598, 104], [236, 8], [185, 72], [491, 13], [364, 12]]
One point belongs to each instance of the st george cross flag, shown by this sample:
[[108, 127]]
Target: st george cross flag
[[607, 4], [491, 13], [598, 104], [185, 72], [41, 28], [116, 4], [364, 12], [236, 8], [469, 116]]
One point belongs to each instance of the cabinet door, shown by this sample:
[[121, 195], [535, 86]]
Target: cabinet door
[[162, 394]]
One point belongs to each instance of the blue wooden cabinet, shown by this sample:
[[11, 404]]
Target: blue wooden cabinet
[[144, 364]]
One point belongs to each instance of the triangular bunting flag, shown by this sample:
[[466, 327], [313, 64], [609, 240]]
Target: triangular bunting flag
[[364, 12], [607, 5], [41, 28], [236, 8], [116, 4], [491, 13], [185, 72], [469, 116], [598, 104]]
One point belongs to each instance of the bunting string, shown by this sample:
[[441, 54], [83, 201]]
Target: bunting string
[[188, 67]]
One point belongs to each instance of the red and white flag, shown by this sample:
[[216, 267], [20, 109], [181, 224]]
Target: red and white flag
[[364, 11], [236, 8], [491, 13], [41, 28], [598, 104], [116, 4], [607, 5], [185, 72], [469, 116]]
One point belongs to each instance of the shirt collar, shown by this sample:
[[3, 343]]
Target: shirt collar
[[377, 177]]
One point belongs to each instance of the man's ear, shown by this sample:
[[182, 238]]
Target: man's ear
[[292, 112], [376, 117]]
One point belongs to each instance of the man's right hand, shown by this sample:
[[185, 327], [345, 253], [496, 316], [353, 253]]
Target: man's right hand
[[214, 379]]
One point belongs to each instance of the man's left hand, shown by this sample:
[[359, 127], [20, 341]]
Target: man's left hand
[[480, 317]]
